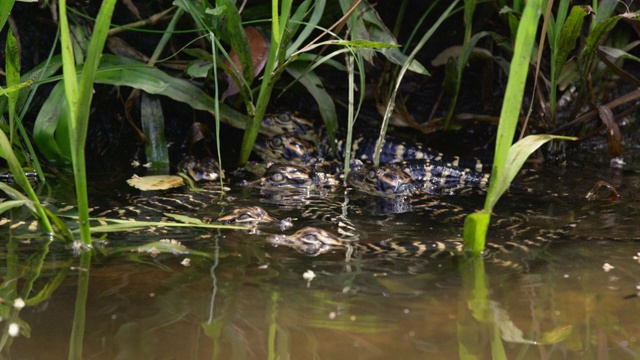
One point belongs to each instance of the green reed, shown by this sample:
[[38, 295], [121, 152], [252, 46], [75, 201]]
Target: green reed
[[6, 143], [79, 100], [508, 158], [279, 20]]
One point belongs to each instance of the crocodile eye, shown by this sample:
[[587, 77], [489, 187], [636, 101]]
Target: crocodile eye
[[284, 118], [277, 177], [371, 175], [310, 238], [276, 142], [244, 217]]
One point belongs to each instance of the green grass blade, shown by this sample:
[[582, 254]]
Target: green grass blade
[[314, 19], [13, 77], [476, 226], [509, 115], [68, 61], [80, 308], [514, 92], [278, 25], [78, 134], [12, 56]]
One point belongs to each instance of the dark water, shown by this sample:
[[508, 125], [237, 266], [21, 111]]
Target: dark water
[[241, 298]]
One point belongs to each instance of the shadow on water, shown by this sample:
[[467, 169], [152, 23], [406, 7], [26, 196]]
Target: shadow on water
[[230, 295]]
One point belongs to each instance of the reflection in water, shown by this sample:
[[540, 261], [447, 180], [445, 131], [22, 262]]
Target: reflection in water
[[238, 297]]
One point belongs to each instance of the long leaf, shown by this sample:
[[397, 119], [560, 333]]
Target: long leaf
[[568, 36], [238, 39], [314, 86], [10, 204], [152, 120], [51, 137], [310, 26], [5, 10]]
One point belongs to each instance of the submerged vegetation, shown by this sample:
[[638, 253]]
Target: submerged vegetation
[[557, 59]]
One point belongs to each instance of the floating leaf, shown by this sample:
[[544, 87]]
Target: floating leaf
[[155, 182]]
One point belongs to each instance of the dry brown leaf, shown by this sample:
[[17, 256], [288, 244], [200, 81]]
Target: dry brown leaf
[[259, 51]]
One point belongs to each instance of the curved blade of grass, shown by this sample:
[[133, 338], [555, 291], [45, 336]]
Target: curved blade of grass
[[10, 204], [309, 26], [403, 70], [368, 26], [517, 155]]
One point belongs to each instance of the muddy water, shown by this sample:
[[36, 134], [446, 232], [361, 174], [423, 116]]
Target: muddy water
[[241, 298]]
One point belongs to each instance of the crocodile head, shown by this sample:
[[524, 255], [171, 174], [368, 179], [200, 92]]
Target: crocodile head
[[286, 148], [309, 241], [246, 215], [206, 169], [288, 122], [386, 181], [283, 176]]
